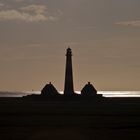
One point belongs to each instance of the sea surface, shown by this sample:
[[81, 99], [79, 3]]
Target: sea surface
[[104, 93]]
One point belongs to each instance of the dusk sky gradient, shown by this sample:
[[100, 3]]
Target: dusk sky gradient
[[104, 36]]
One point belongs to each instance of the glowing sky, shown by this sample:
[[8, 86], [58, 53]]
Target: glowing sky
[[103, 34]]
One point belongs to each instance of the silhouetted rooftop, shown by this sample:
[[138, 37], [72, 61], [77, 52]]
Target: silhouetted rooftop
[[89, 90], [49, 90]]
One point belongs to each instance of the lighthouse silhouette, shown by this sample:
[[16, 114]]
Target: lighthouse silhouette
[[68, 87]]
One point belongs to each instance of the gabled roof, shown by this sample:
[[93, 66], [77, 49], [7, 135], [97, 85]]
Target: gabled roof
[[89, 90], [49, 90]]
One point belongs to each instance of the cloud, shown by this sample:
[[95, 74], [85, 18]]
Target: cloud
[[38, 9], [133, 23], [30, 13], [22, 16]]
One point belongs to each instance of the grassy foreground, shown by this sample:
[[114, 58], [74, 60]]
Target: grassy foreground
[[112, 118]]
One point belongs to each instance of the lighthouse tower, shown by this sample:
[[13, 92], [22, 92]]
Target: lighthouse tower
[[68, 88]]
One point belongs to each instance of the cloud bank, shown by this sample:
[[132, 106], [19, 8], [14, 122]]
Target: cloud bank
[[30, 13], [37, 9]]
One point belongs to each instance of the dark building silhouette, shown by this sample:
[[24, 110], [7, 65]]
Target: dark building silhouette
[[49, 90], [51, 93], [89, 90], [68, 87]]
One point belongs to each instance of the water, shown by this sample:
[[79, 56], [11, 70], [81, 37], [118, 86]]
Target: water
[[104, 93], [120, 93]]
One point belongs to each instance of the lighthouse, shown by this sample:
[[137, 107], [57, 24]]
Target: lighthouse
[[68, 86]]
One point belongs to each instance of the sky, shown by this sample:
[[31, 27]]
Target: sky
[[104, 36]]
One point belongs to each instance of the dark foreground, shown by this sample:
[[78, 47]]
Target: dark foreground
[[104, 119]]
